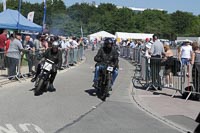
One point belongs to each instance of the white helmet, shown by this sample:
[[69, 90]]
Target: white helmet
[[55, 44]]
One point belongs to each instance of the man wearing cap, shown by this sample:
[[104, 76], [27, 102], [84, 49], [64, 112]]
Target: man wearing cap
[[14, 55]]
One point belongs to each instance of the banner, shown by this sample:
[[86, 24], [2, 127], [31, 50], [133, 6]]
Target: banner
[[30, 16], [4, 5]]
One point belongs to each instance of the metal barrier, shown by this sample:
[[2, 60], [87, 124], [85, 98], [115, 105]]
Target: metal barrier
[[158, 73], [194, 84]]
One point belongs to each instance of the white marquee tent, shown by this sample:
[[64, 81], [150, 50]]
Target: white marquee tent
[[125, 35], [101, 34]]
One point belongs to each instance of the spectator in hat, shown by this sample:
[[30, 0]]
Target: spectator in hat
[[185, 55]]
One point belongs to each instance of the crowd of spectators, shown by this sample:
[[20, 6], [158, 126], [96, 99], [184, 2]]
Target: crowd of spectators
[[158, 54], [17, 48]]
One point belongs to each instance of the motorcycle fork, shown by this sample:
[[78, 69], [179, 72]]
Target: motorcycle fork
[[109, 79]]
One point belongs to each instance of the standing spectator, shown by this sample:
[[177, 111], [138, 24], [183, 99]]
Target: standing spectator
[[132, 44], [80, 46], [8, 42], [157, 50], [64, 52], [7, 46], [3, 39], [67, 43], [185, 55], [148, 56], [44, 44], [196, 66], [75, 46], [169, 64], [71, 53], [13, 55], [30, 49], [147, 41], [124, 44], [37, 44]]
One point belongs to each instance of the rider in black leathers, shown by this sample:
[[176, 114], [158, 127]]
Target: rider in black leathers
[[55, 55], [106, 55]]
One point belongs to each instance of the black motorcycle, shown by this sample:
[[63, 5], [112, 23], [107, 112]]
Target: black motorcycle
[[42, 81], [104, 82]]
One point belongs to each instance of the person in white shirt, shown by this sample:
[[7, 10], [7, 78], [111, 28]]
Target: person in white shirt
[[75, 46], [64, 52], [185, 55], [148, 56]]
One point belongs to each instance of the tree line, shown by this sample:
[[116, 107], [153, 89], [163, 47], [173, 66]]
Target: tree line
[[68, 20]]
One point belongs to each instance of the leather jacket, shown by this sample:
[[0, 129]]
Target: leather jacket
[[107, 56]]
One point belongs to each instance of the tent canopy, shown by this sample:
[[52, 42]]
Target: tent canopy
[[101, 34], [124, 35], [12, 19]]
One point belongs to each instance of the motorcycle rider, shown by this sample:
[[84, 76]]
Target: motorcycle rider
[[106, 55], [54, 54]]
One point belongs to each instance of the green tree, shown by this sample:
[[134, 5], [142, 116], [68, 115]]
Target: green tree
[[69, 20], [181, 22]]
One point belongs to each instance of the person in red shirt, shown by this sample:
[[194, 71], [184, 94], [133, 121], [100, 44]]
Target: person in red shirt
[[3, 39]]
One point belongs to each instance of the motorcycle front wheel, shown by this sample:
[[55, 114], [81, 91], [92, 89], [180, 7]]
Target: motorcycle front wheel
[[38, 87]]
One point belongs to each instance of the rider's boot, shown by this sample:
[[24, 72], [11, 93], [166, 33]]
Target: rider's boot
[[51, 87], [95, 85]]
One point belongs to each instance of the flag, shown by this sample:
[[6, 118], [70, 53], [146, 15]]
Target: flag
[[4, 5], [30, 16], [44, 16]]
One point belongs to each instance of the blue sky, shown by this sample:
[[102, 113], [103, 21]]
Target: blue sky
[[192, 6]]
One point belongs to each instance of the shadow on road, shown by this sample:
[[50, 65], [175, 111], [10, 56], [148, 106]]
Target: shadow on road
[[91, 92], [32, 89]]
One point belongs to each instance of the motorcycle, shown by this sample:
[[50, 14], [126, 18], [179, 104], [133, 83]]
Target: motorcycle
[[104, 82], [42, 81]]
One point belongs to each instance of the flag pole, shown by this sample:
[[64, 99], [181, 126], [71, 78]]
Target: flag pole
[[44, 17], [19, 10], [4, 5], [81, 31]]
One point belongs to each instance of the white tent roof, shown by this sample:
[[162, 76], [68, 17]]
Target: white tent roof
[[101, 34], [125, 35]]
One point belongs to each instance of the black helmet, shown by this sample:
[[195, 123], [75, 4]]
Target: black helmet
[[108, 41]]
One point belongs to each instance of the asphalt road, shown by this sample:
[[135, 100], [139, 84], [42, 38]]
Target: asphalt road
[[74, 108]]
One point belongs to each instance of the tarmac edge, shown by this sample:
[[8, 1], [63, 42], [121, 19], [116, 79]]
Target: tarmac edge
[[134, 98]]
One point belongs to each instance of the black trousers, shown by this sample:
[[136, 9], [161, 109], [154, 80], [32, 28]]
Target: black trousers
[[2, 58], [13, 64], [155, 65]]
